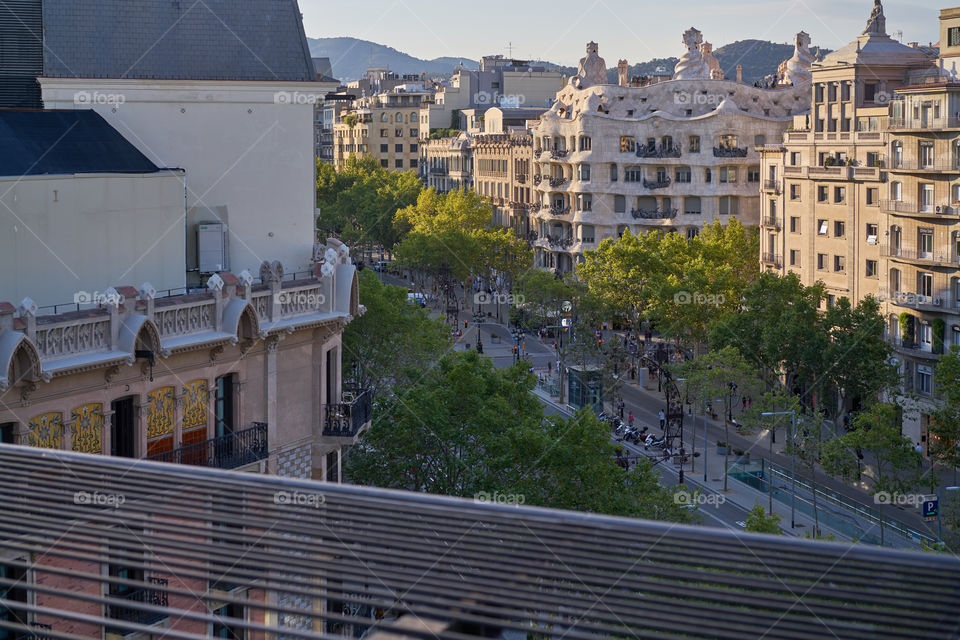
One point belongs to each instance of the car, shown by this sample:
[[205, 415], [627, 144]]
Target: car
[[417, 298], [382, 266]]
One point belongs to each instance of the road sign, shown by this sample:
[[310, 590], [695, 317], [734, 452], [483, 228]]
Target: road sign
[[931, 509]]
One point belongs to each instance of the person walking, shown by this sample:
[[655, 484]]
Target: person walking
[[630, 419], [663, 419]]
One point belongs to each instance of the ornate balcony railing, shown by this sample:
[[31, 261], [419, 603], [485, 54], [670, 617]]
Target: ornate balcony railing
[[662, 214], [940, 257], [772, 185], [946, 122], [559, 211], [534, 207], [146, 595], [228, 451], [558, 242], [346, 419], [657, 184], [537, 179], [773, 259], [438, 171], [672, 151], [559, 154], [538, 153], [916, 165], [769, 221], [729, 152], [558, 182], [911, 208], [522, 178]]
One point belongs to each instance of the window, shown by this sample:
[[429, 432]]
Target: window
[[753, 174], [413, 163], [16, 593], [794, 158], [794, 224], [619, 204], [869, 92], [223, 628], [586, 233], [873, 159], [413, 148], [414, 133], [398, 133], [398, 148], [926, 155], [399, 118], [896, 191], [839, 195], [926, 197], [7, 432], [585, 202], [707, 176], [583, 172], [693, 144], [871, 269], [691, 205], [729, 205], [821, 261], [627, 144], [839, 263], [728, 141], [924, 375], [925, 283], [398, 163], [683, 174], [633, 174], [822, 194], [794, 192], [384, 148], [384, 133], [224, 405], [822, 227], [692, 232], [872, 196], [872, 231], [925, 242], [896, 154], [831, 300], [383, 117], [953, 37], [759, 140], [838, 229], [613, 173], [728, 175], [585, 143], [895, 280], [794, 258]]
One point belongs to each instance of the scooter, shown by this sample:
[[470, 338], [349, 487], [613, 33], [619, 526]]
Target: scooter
[[654, 442]]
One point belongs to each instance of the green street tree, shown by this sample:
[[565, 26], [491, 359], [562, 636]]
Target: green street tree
[[892, 464], [722, 374], [945, 426], [392, 341], [759, 522], [468, 429], [358, 203]]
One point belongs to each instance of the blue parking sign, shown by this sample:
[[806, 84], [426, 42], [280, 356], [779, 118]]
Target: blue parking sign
[[931, 509]]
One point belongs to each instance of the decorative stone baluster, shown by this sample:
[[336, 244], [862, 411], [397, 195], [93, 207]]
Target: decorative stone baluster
[[28, 313], [148, 295], [215, 284]]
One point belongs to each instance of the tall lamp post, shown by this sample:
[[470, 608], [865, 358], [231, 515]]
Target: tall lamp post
[[793, 464]]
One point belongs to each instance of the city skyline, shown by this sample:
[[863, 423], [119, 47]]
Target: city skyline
[[615, 24]]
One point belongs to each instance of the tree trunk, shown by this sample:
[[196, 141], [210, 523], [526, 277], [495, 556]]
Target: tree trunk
[[726, 449]]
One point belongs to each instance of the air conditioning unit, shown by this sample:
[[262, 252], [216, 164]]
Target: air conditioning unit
[[939, 209], [211, 247]]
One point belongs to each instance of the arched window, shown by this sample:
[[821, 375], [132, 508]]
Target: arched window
[[383, 117], [413, 116], [896, 154], [896, 191], [399, 118]]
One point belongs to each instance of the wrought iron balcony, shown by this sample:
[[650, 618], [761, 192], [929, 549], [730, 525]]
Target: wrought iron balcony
[[663, 214], [522, 178], [558, 182], [911, 208], [146, 595], [438, 171], [537, 179], [559, 154], [228, 451], [559, 211], [346, 419], [538, 153], [770, 221], [559, 242], [772, 259], [771, 185], [661, 183], [729, 152], [672, 151]]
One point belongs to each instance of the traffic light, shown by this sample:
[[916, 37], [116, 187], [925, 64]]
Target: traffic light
[[465, 324]]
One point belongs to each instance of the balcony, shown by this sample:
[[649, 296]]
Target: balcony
[[558, 182], [916, 166], [438, 171], [772, 259], [537, 179], [729, 152], [557, 242], [903, 207], [917, 301], [925, 257], [229, 451], [146, 595], [347, 419], [924, 124], [558, 154], [660, 183], [654, 214], [558, 211], [772, 185], [522, 178], [769, 221], [672, 151]]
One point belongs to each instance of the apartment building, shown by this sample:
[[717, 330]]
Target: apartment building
[[673, 155], [502, 174], [863, 195], [447, 163], [385, 126]]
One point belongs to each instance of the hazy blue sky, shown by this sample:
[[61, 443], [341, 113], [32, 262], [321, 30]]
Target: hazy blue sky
[[634, 29]]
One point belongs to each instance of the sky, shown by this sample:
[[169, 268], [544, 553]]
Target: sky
[[637, 30]]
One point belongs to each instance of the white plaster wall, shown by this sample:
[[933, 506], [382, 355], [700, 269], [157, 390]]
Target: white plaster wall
[[246, 152], [63, 234]]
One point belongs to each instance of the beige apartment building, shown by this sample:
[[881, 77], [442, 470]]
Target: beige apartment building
[[673, 155], [385, 126], [864, 195], [502, 174], [447, 163]]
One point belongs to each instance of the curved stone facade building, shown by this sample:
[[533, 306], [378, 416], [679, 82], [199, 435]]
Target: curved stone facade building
[[674, 155]]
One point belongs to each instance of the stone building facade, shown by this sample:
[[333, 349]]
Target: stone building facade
[[502, 174], [863, 196], [673, 155], [385, 126], [447, 163]]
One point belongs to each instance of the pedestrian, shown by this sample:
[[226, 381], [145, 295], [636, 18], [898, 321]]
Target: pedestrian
[[744, 399], [749, 401], [549, 367], [663, 419], [630, 419]]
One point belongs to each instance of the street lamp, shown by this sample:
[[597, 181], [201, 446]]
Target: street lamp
[[793, 464]]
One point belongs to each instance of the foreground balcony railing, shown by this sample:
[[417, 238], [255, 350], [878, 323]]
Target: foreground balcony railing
[[946, 122], [228, 451], [773, 259], [771, 185], [482, 567], [769, 221], [911, 208], [346, 419], [672, 151], [729, 152], [654, 214], [147, 595], [659, 183]]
